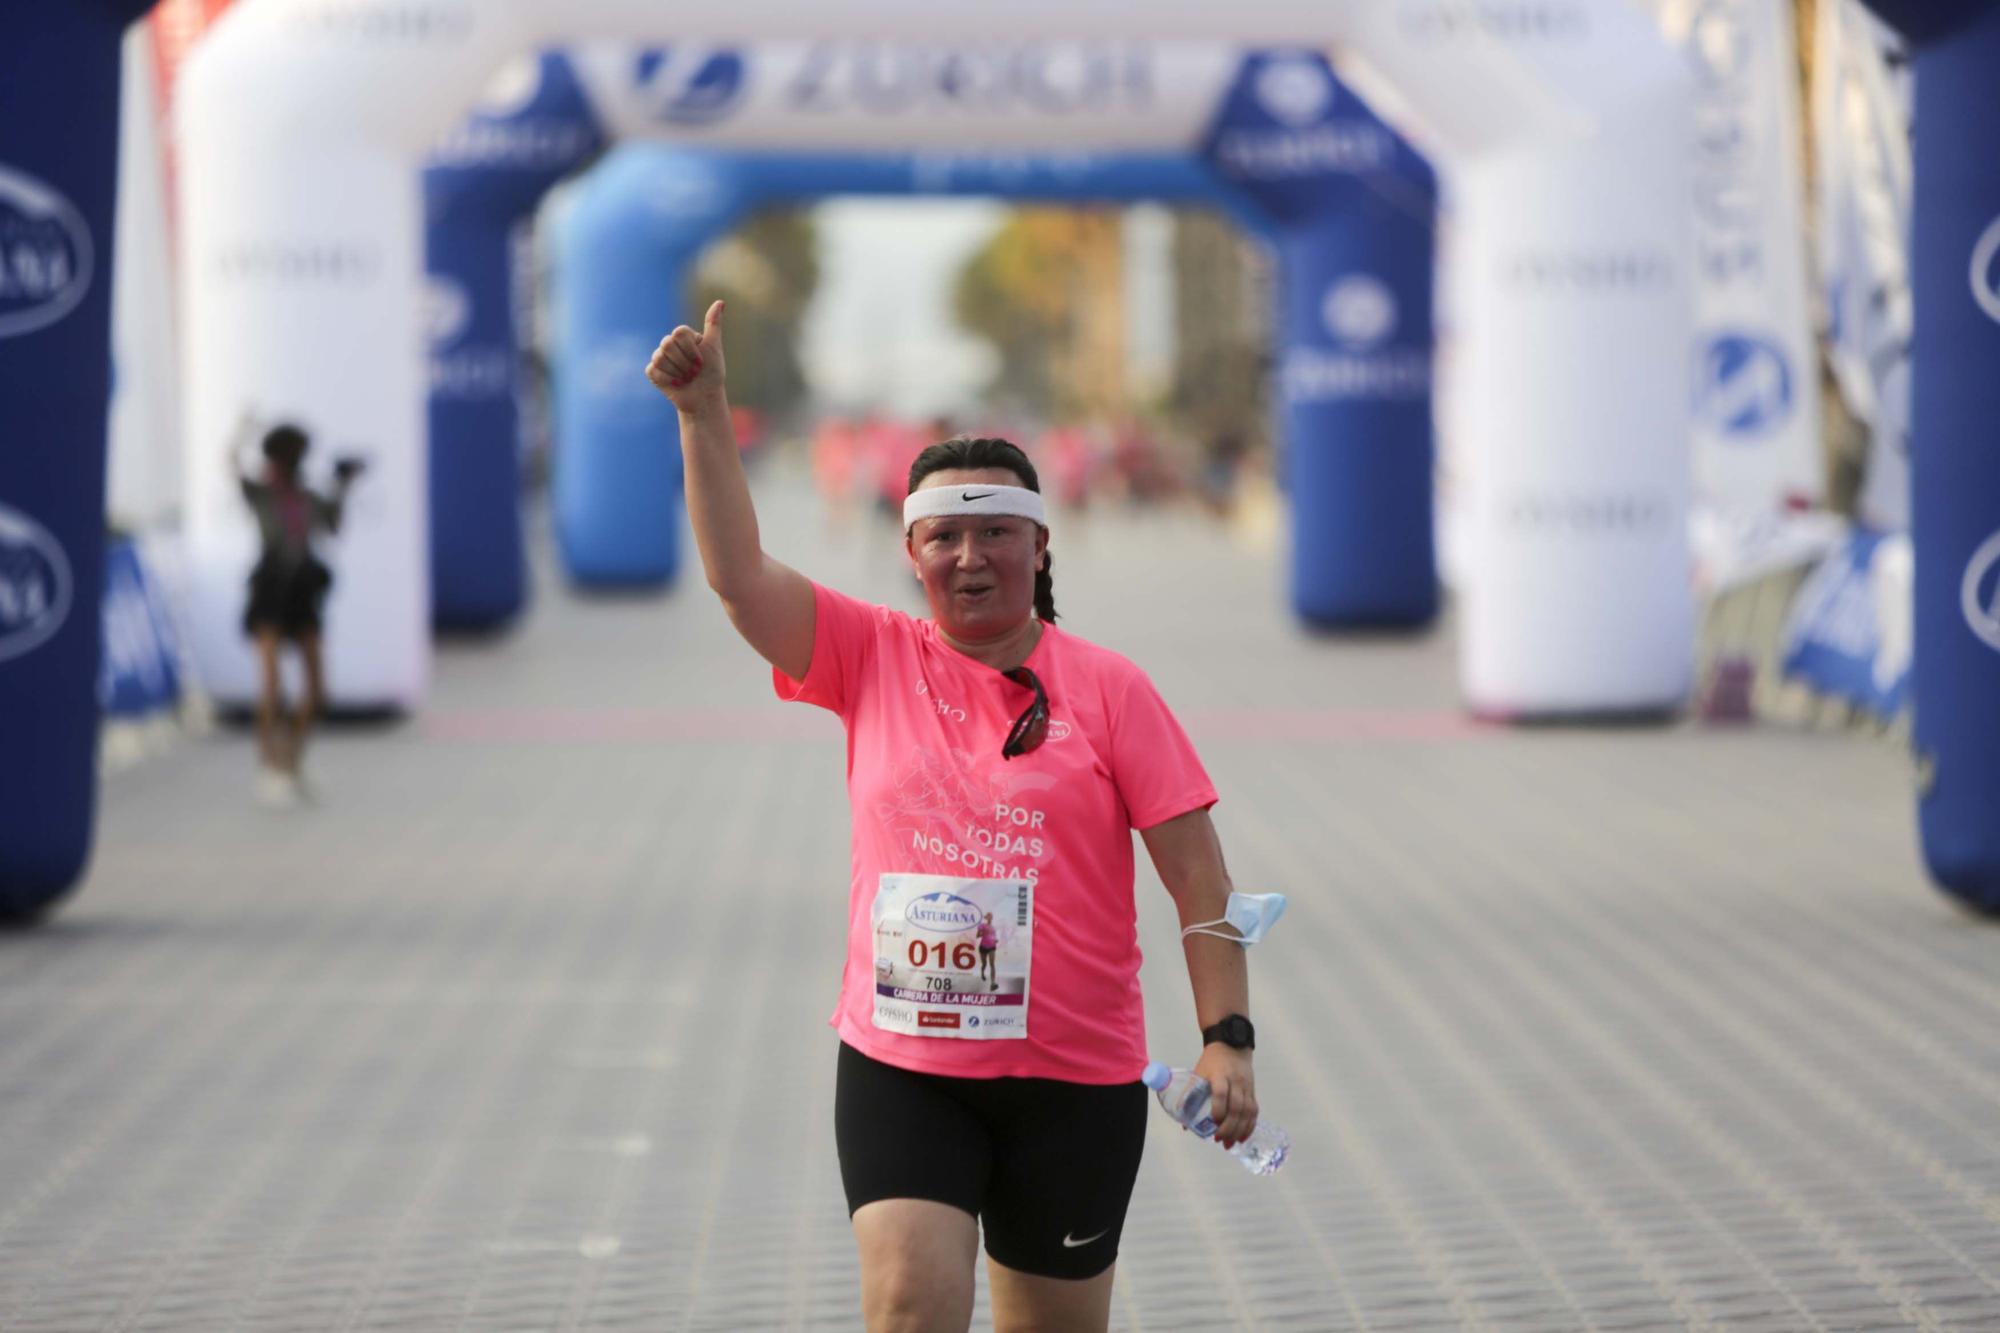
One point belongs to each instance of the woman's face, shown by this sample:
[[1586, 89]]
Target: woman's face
[[978, 571]]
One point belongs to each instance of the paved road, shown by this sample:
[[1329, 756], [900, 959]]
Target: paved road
[[522, 1026]]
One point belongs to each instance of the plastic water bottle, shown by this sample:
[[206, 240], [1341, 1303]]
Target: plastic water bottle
[[1184, 1095]]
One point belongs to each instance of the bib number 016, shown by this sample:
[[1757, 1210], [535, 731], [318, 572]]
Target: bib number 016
[[958, 957]]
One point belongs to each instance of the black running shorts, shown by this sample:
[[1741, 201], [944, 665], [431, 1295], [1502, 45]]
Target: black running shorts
[[1047, 1166]]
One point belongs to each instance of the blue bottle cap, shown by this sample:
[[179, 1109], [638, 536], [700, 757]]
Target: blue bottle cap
[[1157, 1075]]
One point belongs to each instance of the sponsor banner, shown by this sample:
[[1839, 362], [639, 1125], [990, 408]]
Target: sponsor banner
[[138, 675], [1756, 415], [1114, 95], [1734, 548], [1861, 111], [1851, 629]]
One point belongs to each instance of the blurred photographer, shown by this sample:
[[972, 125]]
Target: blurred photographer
[[288, 588]]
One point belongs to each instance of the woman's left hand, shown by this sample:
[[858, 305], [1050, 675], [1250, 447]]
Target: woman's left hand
[[1232, 1092]]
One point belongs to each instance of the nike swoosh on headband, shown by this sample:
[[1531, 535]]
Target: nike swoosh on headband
[[939, 501]]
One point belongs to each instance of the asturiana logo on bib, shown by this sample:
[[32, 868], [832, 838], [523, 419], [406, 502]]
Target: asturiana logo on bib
[[36, 587], [1979, 594], [942, 913], [45, 254]]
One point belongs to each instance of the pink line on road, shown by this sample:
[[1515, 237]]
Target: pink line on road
[[654, 726]]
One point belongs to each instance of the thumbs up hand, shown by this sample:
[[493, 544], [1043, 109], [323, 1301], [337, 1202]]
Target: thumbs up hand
[[688, 367]]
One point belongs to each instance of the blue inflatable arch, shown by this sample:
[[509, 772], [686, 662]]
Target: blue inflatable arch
[[1354, 239], [59, 82], [479, 189]]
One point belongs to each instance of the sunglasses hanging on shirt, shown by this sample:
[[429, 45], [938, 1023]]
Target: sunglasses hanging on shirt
[[1031, 728]]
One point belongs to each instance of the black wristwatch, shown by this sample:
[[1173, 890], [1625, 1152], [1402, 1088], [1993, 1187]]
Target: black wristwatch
[[1234, 1030]]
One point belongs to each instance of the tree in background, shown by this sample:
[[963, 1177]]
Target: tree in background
[[1047, 292], [767, 270], [1222, 332]]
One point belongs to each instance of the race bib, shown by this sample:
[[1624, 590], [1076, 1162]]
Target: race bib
[[951, 956]]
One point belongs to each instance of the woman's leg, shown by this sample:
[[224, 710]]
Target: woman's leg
[[916, 1265], [315, 696], [270, 699], [1022, 1301]]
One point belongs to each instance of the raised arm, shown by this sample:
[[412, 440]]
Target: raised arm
[[770, 604], [242, 437], [1188, 855]]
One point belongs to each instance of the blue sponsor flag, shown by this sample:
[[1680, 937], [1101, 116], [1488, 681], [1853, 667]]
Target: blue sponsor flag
[[1852, 625]]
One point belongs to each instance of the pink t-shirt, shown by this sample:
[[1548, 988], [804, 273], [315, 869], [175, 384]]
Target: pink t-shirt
[[931, 795]]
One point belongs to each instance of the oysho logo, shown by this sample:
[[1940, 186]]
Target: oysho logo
[[1588, 272], [1745, 387], [1293, 90], [942, 913], [1523, 20], [45, 254], [1587, 515], [36, 587], [1986, 270], [1979, 593], [335, 263], [689, 85], [1359, 310]]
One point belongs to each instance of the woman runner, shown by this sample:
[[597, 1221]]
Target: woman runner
[[996, 764]]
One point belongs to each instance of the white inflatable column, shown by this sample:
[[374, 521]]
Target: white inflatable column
[[1568, 132], [302, 127], [1578, 459]]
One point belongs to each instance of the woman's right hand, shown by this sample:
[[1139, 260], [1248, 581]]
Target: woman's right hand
[[688, 367]]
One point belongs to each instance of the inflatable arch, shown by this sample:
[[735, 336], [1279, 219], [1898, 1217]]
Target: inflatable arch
[[1569, 139], [1565, 129], [1331, 185], [1354, 232], [479, 187], [1955, 470], [57, 180]]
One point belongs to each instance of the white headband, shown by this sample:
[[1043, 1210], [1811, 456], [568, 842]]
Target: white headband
[[938, 501]]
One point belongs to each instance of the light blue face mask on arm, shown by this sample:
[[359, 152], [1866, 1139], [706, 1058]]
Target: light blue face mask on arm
[[1251, 914]]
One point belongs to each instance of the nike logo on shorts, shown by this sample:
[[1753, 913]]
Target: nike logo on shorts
[[1070, 1243], [968, 495]]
